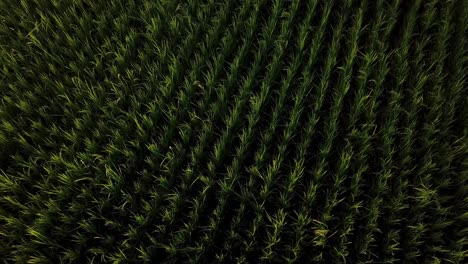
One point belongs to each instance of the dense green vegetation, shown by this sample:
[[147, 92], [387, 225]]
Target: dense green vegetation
[[254, 131]]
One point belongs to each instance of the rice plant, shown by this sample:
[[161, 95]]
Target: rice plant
[[202, 131]]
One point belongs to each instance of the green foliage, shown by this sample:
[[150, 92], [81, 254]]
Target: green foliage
[[204, 131]]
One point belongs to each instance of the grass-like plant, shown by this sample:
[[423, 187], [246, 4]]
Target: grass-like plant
[[203, 131]]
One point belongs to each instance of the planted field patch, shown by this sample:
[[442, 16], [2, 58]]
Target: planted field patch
[[252, 131]]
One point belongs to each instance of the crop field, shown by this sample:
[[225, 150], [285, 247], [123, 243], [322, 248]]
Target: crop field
[[253, 131]]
